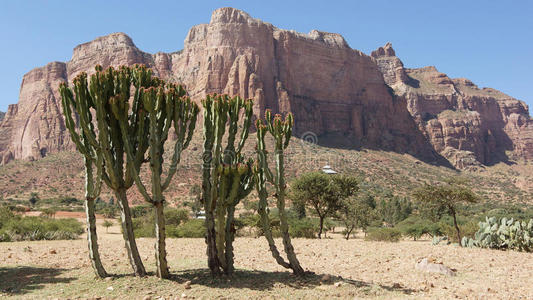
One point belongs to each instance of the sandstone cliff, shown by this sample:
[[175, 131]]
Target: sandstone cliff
[[465, 124], [2, 114], [332, 89]]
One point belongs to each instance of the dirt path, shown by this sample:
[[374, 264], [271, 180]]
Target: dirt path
[[362, 269]]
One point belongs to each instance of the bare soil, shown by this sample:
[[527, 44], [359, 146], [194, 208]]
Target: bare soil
[[342, 269]]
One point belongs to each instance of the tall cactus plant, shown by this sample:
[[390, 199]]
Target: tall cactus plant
[[163, 107], [281, 131], [93, 183], [97, 96], [227, 176]]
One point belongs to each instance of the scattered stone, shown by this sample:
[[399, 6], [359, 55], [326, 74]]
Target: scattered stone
[[396, 285], [53, 251], [183, 296], [338, 284], [110, 288], [109, 278], [187, 285], [426, 266], [147, 297]]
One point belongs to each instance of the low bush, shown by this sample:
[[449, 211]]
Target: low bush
[[303, 228], [176, 223], [467, 228], [384, 234], [18, 228], [416, 227], [191, 229]]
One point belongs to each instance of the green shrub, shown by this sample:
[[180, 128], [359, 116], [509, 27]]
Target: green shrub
[[303, 228], [18, 228], [177, 223], [176, 216], [384, 234], [194, 228], [141, 210], [467, 227], [416, 227]]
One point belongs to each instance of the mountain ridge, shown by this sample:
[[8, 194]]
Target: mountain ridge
[[371, 100]]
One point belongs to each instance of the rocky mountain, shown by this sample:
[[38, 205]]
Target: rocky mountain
[[2, 114], [333, 90]]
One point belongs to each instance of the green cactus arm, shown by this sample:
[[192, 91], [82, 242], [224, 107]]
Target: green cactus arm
[[187, 122], [69, 121], [248, 114], [97, 91], [120, 110], [83, 103], [99, 171]]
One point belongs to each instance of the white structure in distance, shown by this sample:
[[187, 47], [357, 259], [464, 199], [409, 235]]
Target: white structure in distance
[[328, 170]]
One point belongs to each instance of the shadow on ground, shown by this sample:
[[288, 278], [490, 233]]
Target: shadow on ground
[[261, 281], [22, 279]]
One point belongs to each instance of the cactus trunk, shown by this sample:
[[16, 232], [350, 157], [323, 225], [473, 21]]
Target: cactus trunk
[[128, 235], [281, 132], [92, 239], [160, 251], [284, 225], [227, 178]]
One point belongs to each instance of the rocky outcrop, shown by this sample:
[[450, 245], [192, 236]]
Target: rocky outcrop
[[332, 89], [467, 125]]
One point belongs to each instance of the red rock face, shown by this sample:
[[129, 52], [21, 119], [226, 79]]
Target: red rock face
[[465, 124], [331, 88]]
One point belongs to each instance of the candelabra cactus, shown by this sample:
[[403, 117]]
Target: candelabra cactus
[[227, 176], [163, 106], [107, 87], [93, 183], [281, 131]]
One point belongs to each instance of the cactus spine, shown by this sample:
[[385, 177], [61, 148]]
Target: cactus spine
[[281, 131], [106, 87], [93, 183], [162, 107], [227, 176]]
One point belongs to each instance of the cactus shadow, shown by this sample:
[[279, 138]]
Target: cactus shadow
[[264, 281], [20, 280]]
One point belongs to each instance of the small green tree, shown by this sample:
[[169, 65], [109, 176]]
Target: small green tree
[[357, 212], [34, 198], [445, 198], [323, 192], [107, 224], [393, 209]]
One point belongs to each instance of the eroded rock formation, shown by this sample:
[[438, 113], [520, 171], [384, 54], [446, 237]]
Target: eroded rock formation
[[467, 125], [331, 89]]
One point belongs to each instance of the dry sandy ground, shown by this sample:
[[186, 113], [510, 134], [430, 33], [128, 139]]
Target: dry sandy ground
[[357, 269]]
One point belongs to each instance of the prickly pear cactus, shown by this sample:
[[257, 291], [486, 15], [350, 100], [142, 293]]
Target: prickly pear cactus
[[502, 234]]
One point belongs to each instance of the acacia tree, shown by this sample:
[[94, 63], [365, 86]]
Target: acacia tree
[[356, 212], [323, 192], [281, 131], [107, 138], [445, 198], [164, 106]]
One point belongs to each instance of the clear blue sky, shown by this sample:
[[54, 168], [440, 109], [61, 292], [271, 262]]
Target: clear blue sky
[[489, 42]]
